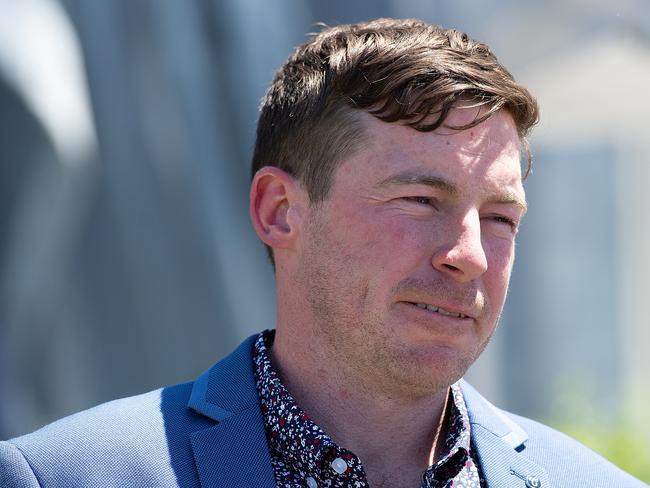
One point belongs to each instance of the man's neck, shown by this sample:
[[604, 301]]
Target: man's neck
[[392, 435]]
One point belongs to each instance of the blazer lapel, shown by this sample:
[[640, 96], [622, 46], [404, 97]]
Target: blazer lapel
[[500, 444], [502, 466], [234, 452]]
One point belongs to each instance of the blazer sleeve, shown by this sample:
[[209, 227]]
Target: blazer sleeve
[[15, 471]]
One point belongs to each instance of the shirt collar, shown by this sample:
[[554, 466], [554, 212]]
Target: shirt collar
[[292, 435], [312, 454]]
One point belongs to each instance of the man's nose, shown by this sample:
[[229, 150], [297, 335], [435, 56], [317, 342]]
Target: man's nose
[[460, 254]]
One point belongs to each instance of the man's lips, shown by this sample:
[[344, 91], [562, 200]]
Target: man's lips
[[449, 312]]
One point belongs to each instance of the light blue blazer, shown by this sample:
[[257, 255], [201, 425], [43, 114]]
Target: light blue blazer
[[210, 434]]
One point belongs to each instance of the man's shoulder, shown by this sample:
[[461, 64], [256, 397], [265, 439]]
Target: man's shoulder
[[114, 418], [566, 455], [142, 410], [128, 439], [546, 441], [162, 438], [564, 459]]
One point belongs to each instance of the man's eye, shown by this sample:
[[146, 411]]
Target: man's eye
[[505, 220], [420, 200]]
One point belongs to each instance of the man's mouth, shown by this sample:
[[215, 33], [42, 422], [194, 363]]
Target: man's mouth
[[439, 310]]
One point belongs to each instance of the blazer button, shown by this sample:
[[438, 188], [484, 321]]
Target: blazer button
[[533, 482]]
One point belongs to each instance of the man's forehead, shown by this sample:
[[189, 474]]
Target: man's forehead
[[498, 133], [392, 153], [492, 139]]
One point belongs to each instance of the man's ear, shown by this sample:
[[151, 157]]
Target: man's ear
[[274, 198]]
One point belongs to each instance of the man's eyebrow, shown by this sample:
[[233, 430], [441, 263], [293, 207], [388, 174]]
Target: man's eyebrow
[[408, 178]]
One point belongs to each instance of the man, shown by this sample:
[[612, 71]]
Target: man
[[388, 189]]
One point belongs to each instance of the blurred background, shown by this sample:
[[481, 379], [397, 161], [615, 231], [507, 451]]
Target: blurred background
[[127, 261]]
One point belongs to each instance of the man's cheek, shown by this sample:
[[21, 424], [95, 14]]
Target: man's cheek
[[500, 254]]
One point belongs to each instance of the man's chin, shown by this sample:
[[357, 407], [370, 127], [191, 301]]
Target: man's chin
[[427, 371]]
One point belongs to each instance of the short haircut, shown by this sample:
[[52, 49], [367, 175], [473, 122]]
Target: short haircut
[[405, 71]]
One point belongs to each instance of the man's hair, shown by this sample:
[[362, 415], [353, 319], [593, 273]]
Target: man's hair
[[405, 71]]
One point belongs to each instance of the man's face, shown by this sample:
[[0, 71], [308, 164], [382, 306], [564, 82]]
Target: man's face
[[406, 263]]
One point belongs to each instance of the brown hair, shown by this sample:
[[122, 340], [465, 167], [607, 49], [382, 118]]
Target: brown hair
[[397, 70]]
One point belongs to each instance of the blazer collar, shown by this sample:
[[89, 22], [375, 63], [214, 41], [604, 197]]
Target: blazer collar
[[500, 445], [228, 387], [235, 451]]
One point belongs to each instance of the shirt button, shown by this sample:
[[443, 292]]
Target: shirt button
[[311, 482], [339, 465], [533, 482]]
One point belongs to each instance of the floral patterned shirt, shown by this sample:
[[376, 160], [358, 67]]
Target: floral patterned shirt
[[303, 455]]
